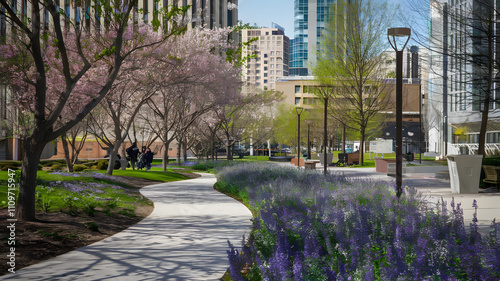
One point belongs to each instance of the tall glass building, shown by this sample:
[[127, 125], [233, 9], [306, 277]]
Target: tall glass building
[[310, 19]]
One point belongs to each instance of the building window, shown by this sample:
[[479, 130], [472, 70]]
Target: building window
[[297, 100], [492, 137], [265, 68], [265, 62], [265, 55], [272, 53], [265, 81], [265, 74], [272, 72], [297, 89]]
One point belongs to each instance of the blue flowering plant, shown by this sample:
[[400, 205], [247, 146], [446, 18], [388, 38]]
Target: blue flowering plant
[[84, 192], [308, 226]]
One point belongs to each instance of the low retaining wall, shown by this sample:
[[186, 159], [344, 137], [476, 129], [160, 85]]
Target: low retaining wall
[[281, 158]]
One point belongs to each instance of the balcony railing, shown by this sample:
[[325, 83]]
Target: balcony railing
[[471, 148]]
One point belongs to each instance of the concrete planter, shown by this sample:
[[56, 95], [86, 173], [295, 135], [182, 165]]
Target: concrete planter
[[465, 171]]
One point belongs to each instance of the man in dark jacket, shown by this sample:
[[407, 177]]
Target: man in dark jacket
[[132, 152], [149, 158]]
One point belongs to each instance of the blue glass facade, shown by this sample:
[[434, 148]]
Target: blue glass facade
[[299, 47]]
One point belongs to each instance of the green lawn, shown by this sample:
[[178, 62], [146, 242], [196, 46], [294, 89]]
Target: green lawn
[[86, 191]]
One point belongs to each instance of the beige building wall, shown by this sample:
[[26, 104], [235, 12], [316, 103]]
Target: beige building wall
[[296, 92], [271, 63]]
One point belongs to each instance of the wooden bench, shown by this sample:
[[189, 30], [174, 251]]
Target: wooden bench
[[311, 164], [491, 175]]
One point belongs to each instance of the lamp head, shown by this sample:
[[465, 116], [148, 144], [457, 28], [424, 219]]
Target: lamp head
[[403, 33], [299, 110]]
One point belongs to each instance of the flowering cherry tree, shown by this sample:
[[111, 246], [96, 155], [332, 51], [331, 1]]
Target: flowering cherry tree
[[193, 75], [63, 69]]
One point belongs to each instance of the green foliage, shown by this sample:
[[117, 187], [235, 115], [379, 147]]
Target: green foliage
[[111, 204], [54, 235], [127, 212], [71, 205], [493, 161], [92, 226], [102, 164], [43, 203], [89, 207], [13, 165], [9, 167], [79, 167], [57, 167]]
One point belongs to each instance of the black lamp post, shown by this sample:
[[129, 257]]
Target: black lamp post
[[403, 33], [308, 122], [299, 111]]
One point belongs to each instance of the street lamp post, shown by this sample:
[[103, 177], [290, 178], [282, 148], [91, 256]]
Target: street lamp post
[[308, 122], [403, 33], [299, 111]]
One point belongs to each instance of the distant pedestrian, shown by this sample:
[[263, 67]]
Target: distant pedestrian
[[149, 158], [132, 153]]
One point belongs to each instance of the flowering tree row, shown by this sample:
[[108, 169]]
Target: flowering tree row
[[58, 75]]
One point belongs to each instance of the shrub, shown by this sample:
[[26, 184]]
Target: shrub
[[102, 164], [79, 167], [8, 166], [494, 161], [111, 204], [57, 167], [92, 226], [14, 165], [127, 212]]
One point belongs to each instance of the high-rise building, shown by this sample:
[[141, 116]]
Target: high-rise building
[[463, 47], [311, 17], [207, 13], [271, 61]]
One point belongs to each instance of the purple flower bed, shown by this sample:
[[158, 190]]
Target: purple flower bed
[[311, 228]]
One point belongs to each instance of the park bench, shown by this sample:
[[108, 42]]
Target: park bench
[[311, 164], [491, 175]]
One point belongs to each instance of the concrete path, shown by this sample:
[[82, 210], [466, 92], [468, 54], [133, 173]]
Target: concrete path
[[185, 238]]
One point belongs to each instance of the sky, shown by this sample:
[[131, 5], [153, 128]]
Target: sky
[[264, 12]]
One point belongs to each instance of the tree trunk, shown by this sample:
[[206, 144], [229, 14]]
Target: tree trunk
[[229, 155], [165, 156], [213, 146], [362, 146], [487, 97], [26, 201], [67, 158], [111, 164], [179, 147], [184, 152], [343, 138]]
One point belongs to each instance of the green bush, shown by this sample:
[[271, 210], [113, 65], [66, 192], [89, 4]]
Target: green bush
[[92, 226], [7, 167], [79, 167], [493, 161], [102, 164], [57, 167]]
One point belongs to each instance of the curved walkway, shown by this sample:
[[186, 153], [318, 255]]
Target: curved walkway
[[185, 238]]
